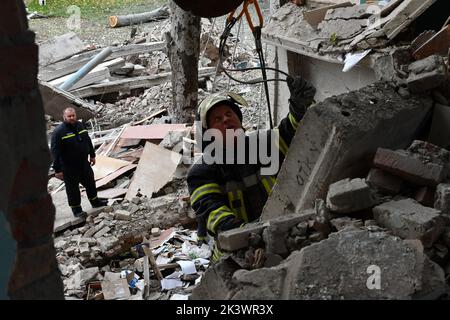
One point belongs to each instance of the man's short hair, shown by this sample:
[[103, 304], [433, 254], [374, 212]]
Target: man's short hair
[[69, 109]]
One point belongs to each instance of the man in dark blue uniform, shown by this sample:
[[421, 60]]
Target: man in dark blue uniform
[[73, 154]]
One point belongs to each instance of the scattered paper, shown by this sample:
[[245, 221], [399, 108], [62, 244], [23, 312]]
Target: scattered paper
[[352, 59], [198, 280], [168, 284], [140, 285], [174, 275], [163, 260], [194, 252], [187, 267], [201, 261], [177, 296]]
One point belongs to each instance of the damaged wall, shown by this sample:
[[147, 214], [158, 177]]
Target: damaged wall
[[351, 127], [25, 203]]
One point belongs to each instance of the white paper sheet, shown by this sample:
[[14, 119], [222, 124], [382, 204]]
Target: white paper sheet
[[352, 59], [167, 284], [187, 267], [177, 296]]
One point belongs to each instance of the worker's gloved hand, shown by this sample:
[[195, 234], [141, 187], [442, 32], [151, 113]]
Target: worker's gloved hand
[[202, 240], [230, 223], [302, 95]]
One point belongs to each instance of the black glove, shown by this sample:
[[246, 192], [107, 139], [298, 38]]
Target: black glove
[[302, 96], [230, 223]]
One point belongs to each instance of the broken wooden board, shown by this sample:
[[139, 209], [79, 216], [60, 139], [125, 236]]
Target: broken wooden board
[[165, 236], [96, 75], [105, 166], [155, 168], [112, 193], [131, 156], [314, 17], [111, 177], [437, 44], [56, 100], [151, 132], [125, 85], [59, 48], [404, 15], [73, 64]]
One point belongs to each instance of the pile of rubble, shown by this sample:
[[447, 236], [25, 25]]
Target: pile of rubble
[[395, 221]]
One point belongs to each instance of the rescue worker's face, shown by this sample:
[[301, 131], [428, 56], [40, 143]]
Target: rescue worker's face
[[70, 116], [222, 117]]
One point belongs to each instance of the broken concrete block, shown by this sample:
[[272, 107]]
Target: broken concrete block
[[352, 125], [277, 231], [102, 232], [383, 181], [410, 220], [235, 239], [122, 215], [346, 222], [84, 250], [216, 282], [91, 231], [70, 251], [350, 264], [155, 232], [90, 241], [442, 198], [347, 196], [107, 243], [61, 244], [427, 74], [270, 288], [275, 240], [409, 168], [79, 279]]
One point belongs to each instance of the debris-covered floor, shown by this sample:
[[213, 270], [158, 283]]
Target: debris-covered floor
[[365, 192], [104, 257]]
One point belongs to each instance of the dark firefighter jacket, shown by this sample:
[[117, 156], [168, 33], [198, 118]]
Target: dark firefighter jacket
[[224, 196], [71, 146]]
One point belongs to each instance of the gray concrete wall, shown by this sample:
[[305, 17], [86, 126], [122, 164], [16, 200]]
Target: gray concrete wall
[[337, 139], [327, 77]]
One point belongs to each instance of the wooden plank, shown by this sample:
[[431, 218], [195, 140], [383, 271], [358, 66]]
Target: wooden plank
[[104, 166], [56, 100], [151, 132], [96, 75], [314, 17], [438, 44], [111, 177], [137, 18], [155, 168], [157, 113], [112, 193], [404, 14], [71, 65], [132, 83], [59, 48]]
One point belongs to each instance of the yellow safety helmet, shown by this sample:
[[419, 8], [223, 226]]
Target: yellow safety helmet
[[234, 100]]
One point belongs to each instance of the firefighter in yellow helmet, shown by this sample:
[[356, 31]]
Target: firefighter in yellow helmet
[[224, 194]]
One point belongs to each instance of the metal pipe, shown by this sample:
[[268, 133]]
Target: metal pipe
[[77, 76]]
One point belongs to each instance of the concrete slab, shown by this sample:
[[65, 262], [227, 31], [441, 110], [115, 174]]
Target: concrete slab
[[352, 127]]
